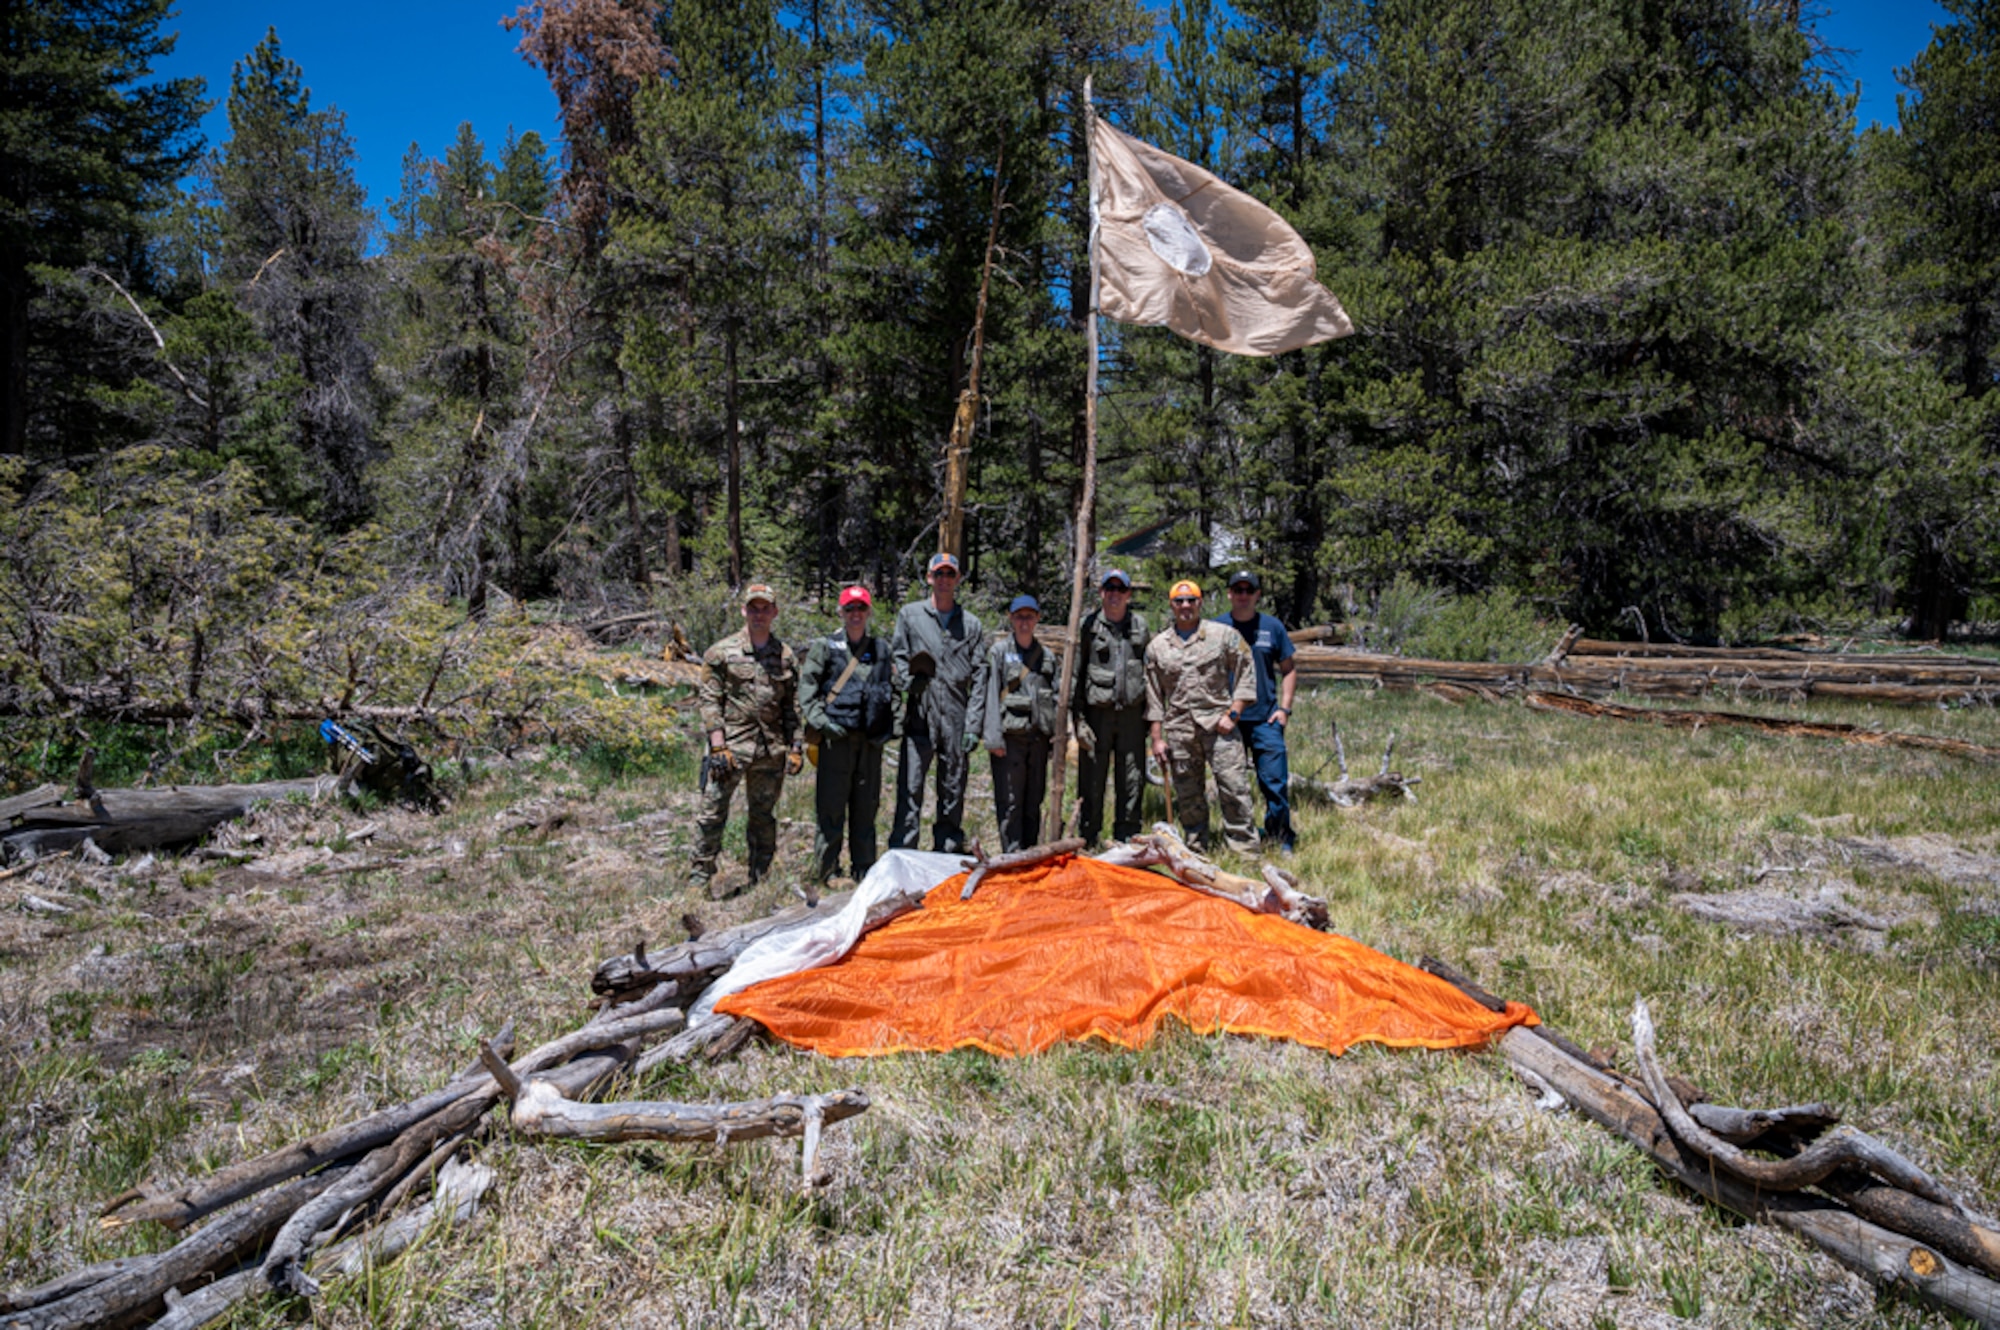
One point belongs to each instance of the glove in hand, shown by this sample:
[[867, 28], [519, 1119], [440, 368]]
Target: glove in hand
[[1086, 740], [831, 731], [971, 742], [795, 762], [723, 757]]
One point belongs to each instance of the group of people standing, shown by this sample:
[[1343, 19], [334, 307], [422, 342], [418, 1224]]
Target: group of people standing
[[1201, 695]]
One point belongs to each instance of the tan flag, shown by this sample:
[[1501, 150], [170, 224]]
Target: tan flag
[[1180, 249]]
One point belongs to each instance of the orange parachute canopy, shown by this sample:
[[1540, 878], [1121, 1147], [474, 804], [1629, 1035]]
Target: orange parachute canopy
[[1076, 949]]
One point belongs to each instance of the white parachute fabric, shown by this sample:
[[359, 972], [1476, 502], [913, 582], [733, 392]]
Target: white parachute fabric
[[911, 873]]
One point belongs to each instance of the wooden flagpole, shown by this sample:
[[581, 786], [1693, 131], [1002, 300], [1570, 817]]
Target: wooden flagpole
[[1086, 507]]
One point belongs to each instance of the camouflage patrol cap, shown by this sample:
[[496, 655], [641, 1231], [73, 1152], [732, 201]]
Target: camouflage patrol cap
[[759, 591]]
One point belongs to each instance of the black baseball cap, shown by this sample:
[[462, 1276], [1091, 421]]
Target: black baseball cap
[[1244, 577]]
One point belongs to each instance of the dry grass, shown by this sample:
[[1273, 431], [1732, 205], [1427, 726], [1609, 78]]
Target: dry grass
[[196, 1012]]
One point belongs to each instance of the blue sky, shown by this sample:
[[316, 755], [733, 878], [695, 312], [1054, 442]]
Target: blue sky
[[411, 71]]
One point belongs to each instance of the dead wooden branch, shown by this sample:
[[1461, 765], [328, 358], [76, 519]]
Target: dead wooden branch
[[1962, 1239], [1348, 792], [1278, 893], [1742, 1126], [979, 869], [542, 1111], [182, 1206], [1682, 719], [1844, 1146]]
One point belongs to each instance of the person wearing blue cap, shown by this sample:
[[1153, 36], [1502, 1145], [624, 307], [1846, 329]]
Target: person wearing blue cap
[[1014, 717]]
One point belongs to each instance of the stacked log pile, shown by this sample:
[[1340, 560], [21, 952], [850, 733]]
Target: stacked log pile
[[1598, 669], [1844, 1191]]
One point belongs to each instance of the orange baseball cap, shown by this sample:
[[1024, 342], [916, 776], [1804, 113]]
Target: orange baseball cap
[[1184, 588]]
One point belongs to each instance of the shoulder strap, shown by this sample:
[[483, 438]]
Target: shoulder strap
[[853, 663]]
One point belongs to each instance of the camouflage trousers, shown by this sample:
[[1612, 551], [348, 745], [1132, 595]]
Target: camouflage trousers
[[1189, 755], [762, 782]]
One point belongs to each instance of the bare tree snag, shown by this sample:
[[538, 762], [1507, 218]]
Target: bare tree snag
[[1843, 1146], [980, 868]]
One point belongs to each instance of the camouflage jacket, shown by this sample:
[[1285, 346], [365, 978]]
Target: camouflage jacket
[[1191, 685], [751, 696]]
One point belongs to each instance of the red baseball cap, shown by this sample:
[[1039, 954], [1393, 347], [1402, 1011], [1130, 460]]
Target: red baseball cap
[[856, 595]]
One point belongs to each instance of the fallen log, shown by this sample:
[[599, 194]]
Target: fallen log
[[1682, 719], [1844, 1146], [130, 1293], [693, 965], [182, 1206], [1874, 1252], [541, 1111], [118, 821], [1962, 1239]]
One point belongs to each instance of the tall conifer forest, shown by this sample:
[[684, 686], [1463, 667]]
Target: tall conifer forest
[[1648, 337]]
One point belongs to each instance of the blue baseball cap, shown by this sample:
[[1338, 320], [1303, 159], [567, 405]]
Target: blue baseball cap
[[1024, 603], [1116, 575], [942, 561]]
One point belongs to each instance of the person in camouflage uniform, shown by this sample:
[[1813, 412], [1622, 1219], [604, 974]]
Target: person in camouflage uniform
[[750, 712], [1107, 702], [844, 695], [1199, 678]]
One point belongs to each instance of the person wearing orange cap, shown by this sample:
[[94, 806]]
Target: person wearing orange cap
[[1199, 678], [846, 694], [750, 713]]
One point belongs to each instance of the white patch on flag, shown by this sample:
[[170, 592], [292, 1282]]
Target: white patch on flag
[[1173, 237]]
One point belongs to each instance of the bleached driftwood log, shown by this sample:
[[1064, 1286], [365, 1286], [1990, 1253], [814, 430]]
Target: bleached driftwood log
[[1278, 893]]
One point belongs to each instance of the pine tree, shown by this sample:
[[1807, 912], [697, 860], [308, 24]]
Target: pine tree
[[88, 148], [1937, 212], [294, 228]]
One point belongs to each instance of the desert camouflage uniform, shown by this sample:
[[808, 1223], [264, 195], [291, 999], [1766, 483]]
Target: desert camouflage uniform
[[1190, 686], [752, 696]]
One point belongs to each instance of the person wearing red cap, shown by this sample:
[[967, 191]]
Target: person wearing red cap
[[847, 697]]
